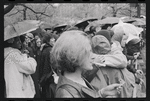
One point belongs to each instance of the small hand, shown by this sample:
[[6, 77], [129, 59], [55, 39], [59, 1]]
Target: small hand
[[100, 59], [136, 55], [111, 90]]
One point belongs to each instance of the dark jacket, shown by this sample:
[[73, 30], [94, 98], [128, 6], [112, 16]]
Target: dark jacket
[[68, 89], [45, 66], [46, 78]]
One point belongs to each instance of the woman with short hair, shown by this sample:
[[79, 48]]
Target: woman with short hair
[[71, 55]]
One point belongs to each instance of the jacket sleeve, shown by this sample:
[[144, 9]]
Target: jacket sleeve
[[116, 58], [26, 65], [47, 64]]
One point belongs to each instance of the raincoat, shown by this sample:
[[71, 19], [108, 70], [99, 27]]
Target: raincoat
[[17, 70]]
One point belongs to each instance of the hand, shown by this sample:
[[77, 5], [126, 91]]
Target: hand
[[111, 90], [140, 72], [99, 59], [136, 55]]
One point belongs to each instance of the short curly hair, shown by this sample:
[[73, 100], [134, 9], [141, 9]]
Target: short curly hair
[[69, 51]]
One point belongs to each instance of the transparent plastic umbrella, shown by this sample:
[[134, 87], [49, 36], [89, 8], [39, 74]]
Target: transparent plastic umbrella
[[20, 28], [129, 29]]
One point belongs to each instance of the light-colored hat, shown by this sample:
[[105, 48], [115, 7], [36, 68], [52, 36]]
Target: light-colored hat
[[101, 44], [30, 35]]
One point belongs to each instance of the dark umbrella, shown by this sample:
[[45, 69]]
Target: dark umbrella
[[60, 28], [84, 23]]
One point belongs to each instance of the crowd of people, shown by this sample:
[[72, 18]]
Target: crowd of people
[[75, 64]]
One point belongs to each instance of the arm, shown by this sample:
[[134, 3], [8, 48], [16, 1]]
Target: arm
[[116, 58], [26, 65]]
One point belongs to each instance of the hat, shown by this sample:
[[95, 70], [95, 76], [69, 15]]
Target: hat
[[30, 35], [105, 33], [134, 41], [100, 44]]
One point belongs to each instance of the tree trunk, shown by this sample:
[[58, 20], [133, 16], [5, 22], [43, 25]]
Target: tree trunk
[[138, 10]]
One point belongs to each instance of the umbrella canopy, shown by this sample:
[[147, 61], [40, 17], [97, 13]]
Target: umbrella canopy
[[46, 26], [130, 30], [60, 28], [139, 22], [20, 28], [112, 21], [84, 22], [10, 32]]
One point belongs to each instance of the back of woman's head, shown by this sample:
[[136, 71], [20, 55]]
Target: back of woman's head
[[69, 50]]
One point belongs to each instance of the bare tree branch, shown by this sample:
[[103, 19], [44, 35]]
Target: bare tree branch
[[18, 11], [35, 11]]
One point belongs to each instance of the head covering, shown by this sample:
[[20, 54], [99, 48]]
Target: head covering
[[30, 35], [118, 34], [134, 41], [105, 33], [100, 44]]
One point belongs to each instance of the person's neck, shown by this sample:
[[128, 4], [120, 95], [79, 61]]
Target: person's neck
[[73, 76]]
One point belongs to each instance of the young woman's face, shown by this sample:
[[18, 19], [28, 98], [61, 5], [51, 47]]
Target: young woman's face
[[38, 43], [52, 41], [17, 43], [87, 61]]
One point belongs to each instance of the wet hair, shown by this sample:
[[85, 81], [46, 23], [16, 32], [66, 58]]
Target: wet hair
[[69, 51]]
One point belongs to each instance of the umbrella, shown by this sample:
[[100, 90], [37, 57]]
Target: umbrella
[[60, 28], [130, 30], [84, 22], [20, 28], [112, 21], [139, 22], [9, 32]]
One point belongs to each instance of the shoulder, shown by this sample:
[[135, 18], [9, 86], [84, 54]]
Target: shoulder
[[67, 91], [63, 93]]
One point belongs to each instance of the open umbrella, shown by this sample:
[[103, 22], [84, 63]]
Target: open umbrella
[[60, 28], [84, 22], [112, 21], [139, 22], [130, 30], [20, 28]]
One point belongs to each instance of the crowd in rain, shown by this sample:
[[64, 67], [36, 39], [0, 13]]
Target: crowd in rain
[[102, 62]]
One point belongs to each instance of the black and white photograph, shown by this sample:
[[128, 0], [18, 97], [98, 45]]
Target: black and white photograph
[[75, 50]]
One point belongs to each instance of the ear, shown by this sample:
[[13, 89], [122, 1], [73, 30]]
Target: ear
[[11, 40]]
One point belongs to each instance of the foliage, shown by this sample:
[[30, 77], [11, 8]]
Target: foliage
[[65, 12]]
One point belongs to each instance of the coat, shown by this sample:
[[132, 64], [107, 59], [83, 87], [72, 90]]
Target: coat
[[17, 70], [45, 66], [68, 89], [114, 71], [46, 77]]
